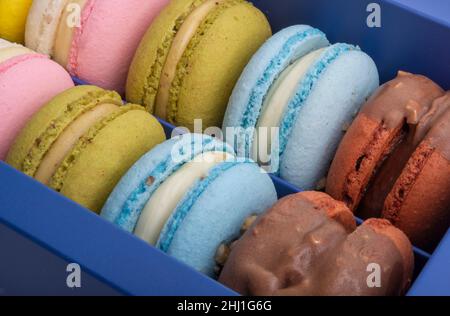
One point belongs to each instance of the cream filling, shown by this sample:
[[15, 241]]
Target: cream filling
[[68, 139], [66, 29], [177, 49], [277, 101], [13, 51], [6, 44], [48, 24], [166, 198]]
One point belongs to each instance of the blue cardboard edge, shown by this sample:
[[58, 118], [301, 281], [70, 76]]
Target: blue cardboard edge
[[114, 257], [434, 280]]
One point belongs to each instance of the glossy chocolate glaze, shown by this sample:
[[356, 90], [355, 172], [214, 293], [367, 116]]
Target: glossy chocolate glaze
[[296, 248], [407, 98]]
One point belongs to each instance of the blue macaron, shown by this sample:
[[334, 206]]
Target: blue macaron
[[309, 91], [188, 196]]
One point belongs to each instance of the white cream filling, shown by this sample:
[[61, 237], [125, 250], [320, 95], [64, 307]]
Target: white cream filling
[[68, 138], [13, 51], [169, 194], [278, 98]]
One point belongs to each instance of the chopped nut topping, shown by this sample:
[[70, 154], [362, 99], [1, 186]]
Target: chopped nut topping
[[413, 108], [222, 254], [404, 73], [248, 223], [150, 181]]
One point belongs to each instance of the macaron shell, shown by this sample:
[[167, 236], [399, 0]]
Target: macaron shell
[[132, 180], [333, 102], [213, 62], [41, 121], [132, 193], [103, 48], [13, 15], [26, 84], [146, 68], [281, 50], [97, 167], [354, 145], [423, 215], [373, 135], [217, 215]]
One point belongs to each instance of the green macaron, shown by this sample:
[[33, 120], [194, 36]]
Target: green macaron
[[191, 57], [83, 141]]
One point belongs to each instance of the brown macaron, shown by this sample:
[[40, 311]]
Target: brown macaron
[[308, 244], [394, 161]]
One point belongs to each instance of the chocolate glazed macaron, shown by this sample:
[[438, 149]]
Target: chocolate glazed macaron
[[191, 57], [83, 141], [308, 244], [394, 161]]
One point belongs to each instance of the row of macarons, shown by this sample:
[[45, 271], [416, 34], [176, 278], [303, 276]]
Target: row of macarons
[[296, 82], [189, 195], [192, 198], [393, 161]]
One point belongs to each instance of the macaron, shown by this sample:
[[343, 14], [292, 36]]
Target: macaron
[[191, 57], [94, 39], [83, 141], [27, 81], [308, 245], [13, 16], [394, 161], [189, 195], [294, 99]]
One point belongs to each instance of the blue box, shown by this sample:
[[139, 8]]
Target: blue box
[[41, 232]]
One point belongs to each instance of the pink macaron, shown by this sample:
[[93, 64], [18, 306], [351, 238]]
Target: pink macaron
[[27, 82], [94, 39]]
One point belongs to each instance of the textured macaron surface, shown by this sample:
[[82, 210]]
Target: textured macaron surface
[[328, 98], [281, 50], [307, 244], [212, 212], [89, 169], [396, 143], [27, 82], [209, 212], [46, 126], [100, 47], [103, 48], [101, 157], [126, 202], [335, 83], [210, 65], [13, 15]]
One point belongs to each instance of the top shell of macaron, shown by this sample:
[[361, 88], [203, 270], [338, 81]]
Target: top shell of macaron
[[95, 40], [221, 38]]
